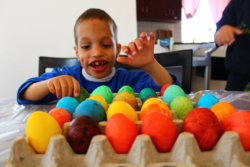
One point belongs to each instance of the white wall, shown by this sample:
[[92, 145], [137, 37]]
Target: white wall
[[33, 28]]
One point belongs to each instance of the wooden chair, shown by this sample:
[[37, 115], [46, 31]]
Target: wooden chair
[[182, 58]]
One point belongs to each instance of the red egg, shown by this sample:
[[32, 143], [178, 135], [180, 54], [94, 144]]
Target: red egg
[[161, 129], [239, 122], [163, 88], [205, 126], [60, 115], [80, 132], [121, 132]]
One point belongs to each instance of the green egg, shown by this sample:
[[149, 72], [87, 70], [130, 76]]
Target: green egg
[[146, 92], [105, 92], [83, 95], [172, 92], [182, 106], [127, 88]]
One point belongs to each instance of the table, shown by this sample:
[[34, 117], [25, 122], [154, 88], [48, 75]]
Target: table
[[13, 116]]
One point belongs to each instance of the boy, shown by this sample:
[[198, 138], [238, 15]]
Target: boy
[[97, 49]]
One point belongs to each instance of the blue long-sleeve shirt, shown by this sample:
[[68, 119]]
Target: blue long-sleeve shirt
[[136, 79]]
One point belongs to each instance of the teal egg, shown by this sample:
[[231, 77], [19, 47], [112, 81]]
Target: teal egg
[[83, 95], [182, 106], [105, 92], [147, 92], [68, 103], [127, 88], [172, 92], [91, 108]]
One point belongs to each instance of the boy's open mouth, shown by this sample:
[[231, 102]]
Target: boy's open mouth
[[98, 66]]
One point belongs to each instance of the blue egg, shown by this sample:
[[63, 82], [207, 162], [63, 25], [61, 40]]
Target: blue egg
[[207, 101], [92, 108], [68, 103]]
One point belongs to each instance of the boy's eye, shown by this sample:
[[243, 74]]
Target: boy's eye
[[85, 47], [106, 45]]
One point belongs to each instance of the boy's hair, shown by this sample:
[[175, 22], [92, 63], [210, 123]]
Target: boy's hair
[[94, 13]]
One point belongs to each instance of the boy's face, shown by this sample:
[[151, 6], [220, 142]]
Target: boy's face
[[96, 47]]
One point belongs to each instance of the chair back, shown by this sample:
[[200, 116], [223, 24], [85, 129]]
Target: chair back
[[55, 62], [181, 58]]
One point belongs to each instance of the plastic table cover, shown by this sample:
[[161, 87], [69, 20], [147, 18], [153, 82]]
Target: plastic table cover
[[13, 116]]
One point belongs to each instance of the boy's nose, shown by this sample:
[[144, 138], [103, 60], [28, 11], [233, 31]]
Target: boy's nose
[[97, 51]]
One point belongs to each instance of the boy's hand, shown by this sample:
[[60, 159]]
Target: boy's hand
[[140, 52], [226, 35], [64, 85]]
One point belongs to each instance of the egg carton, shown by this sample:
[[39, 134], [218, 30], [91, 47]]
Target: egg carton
[[228, 152]]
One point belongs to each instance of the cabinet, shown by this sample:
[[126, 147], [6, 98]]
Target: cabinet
[[159, 10]]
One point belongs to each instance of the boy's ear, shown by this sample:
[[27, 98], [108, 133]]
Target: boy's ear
[[76, 51], [118, 47]]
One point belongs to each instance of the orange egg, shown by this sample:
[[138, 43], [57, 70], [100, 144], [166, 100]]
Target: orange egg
[[121, 132], [128, 98], [123, 108], [161, 129], [152, 105], [223, 110]]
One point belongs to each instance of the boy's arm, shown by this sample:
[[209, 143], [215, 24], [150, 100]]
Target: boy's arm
[[62, 86], [141, 54]]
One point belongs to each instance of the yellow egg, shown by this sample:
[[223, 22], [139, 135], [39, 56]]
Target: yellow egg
[[123, 108], [100, 99], [40, 127], [128, 98]]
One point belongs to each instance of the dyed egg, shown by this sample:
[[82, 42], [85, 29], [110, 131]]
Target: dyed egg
[[91, 108], [100, 99], [40, 127], [205, 126], [60, 115], [105, 92], [223, 110], [207, 101], [154, 105], [121, 132], [163, 88], [68, 103], [239, 122], [83, 95], [182, 106], [172, 92], [80, 133], [127, 88], [128, 98], [146, 92], [123, 108], [161, 129]]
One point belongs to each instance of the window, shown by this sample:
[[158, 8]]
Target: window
[[201, 27]]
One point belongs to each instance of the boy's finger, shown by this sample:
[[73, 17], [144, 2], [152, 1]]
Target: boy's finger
[[138, 44], [143, 36], [152, 37], [70, 88], [125, 49], [132, 48], [76, 88], [64, 87]]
